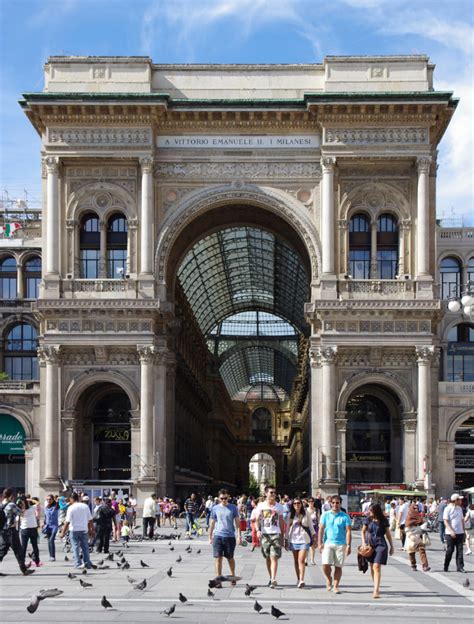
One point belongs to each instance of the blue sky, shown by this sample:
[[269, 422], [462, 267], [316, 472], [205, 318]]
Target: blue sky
[[237, 31]]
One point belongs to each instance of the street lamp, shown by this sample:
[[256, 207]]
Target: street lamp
[[466, 302]]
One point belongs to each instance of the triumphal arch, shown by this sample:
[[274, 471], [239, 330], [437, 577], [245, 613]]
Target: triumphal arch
[[237, 261]]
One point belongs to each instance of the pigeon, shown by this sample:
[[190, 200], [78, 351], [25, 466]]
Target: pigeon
[[123, 560], [126, 566], [143, 564], [276, 612], [101, 562], [131, 580], [118, 564], [198, 552], [84, 584], [169, 610], [466, 583], [71, 576], [49, 593], [214, 584], [249, 589], [84, 571], [210, 594], [104, 567], [257, 607], [152, 550], [66, 558], [105, 603], [110, 557], [34, 604], [182, 598], [141, 585], [169, 572], [119, 553], [171, 548], [179, 559], [169, 543]]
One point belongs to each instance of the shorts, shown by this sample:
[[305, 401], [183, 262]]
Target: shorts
[[271, 546], [223, 547], [295, 547], [334, 555]]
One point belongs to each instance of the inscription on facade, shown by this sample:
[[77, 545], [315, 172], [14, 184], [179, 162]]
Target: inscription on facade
[[239, 142]]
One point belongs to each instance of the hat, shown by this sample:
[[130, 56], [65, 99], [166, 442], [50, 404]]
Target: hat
[[455, 497], [85, 498]]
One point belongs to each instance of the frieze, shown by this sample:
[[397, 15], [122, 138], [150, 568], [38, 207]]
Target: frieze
[[99, 137], [231, 170], [127, 185], [376, 136], [102, 327], [384, 327]]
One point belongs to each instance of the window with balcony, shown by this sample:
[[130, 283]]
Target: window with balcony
[[359, 247], [21, 361], [460, 354], [32, 277], [116, 246], [387, 247], [450, 277], [89, 242], [8, 278]]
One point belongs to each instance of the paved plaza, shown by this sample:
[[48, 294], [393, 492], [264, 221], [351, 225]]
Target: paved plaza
[[434, 596]]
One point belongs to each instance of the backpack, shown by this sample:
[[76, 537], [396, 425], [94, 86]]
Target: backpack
[[3, 518]]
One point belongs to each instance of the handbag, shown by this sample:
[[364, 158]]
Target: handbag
[[425, 538], [365, 550]]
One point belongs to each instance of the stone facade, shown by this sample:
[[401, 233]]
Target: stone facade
[[303, 149]]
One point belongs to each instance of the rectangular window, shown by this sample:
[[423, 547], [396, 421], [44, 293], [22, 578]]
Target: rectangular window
[[8, 288], [450, 285], [359, 263], [90, 263], [32, 287], [387, 261], [116, 263], [22, 368]]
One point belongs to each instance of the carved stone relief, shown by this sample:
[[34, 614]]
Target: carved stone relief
[[99, 137], [232, 170]]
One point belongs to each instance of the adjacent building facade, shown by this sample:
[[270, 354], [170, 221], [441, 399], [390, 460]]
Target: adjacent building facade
[[235, 261]]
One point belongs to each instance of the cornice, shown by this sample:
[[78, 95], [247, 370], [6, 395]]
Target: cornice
[[44, 305], [429, 305]]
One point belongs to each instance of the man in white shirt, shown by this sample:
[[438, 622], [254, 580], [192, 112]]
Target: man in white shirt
[[149, 515], [453, 518], [270, 530], [79, 518], [402, 518]]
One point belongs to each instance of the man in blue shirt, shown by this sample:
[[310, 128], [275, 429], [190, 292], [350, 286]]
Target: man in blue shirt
[[335, 534], [223, 529]]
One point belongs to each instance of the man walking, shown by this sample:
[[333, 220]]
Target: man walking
[[334, 542], [104, 519], [440, 511], [402, 518], [454, 522], [79, 518], [9, 537], [224, 526], [191, 509], [270, 530], [149, 513]]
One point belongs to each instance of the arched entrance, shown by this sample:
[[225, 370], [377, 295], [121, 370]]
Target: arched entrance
[[262, 472], [239, 293], [12, 453], [464, 454], [103, 435]]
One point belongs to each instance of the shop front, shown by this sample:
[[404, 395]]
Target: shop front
[[12, 453]]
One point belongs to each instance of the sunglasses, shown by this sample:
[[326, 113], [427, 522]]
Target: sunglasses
[[224, 498], [297, 503], [271, 492]]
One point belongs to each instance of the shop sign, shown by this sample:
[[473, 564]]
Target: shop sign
[[368, 457], [112, 433], [460, 348], [12, 436]]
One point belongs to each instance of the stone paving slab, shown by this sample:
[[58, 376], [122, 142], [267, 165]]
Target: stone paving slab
[[436, 595]]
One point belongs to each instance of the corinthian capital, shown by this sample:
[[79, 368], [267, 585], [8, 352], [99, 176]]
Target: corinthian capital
[[50, 164], [315, 358], [49, 354], [146, 163], [146, 353], [425, 355], [423, 164], [328, 163], [328, 355]]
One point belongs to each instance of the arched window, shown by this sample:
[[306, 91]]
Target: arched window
[[450, 274], [262, 425], [89, 242], [32, 277], [21, 362], [460, 358], [116, 246], [359, 247], [470, 271], [8, 278], [387, 247]]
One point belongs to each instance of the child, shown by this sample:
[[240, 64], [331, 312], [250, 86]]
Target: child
[[125, 532]]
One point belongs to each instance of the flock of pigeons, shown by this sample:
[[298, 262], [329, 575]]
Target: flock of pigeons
[[121, 562]]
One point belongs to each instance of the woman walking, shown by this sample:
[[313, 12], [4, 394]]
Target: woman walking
[[468, 527], [51, 524], [315, 515], [375, 533], [29, 529], [300, 534], [414, 538]]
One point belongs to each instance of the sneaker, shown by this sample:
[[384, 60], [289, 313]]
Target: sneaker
[[301, 585], [273, 584], [28, 572], [269, 583], [52, 559], [461, 570], [426, 568]]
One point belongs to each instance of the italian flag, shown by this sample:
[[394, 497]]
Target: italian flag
[[9, 229]]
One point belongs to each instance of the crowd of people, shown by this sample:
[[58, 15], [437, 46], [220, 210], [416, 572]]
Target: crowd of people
[[300, 525]]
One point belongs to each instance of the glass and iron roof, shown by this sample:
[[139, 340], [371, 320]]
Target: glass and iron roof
[[247, 289]]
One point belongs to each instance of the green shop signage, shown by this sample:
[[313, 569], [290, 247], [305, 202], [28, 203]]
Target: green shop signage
[[12, 436]]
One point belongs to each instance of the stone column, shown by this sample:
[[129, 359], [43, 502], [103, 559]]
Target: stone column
[[161, 419], [423, 217], [327, 215], [170, 424], [32, 467], [20, 287], [343, 246], [69, 425], [315, 419], [50, 357], [52, 215], [328, 405], [72, 248], [408, 423], [103, 250], [147, 359], [341, 429], [424, 456], [135, 444], [374, 272], [146, 218], [403, 228]]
